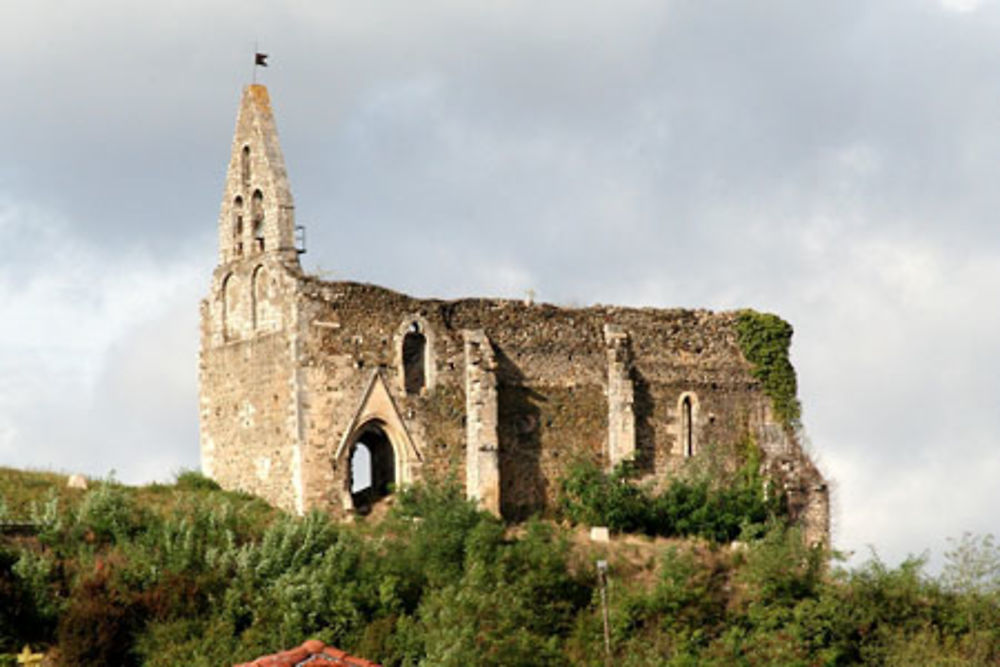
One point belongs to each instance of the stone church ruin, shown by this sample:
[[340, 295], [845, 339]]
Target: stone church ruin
[[304, 381]]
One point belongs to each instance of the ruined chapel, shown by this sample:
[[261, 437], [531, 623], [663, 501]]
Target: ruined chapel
[[318, 394]]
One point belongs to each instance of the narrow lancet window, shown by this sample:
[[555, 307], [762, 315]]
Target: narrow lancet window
[[687, 427], [238, 226], [245, 165], [414, 354]]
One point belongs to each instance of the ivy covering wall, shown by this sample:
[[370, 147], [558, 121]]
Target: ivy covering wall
[[764, 340]]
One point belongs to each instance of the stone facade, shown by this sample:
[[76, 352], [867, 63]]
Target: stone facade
[[299, 375]]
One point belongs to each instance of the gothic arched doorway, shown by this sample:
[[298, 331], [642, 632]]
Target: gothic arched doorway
[[372, 467]]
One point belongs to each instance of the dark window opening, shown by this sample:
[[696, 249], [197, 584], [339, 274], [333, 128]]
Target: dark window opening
[[238, 225], [373, 469], [245, 165], [257, 213], [414, 349], [687, 432]]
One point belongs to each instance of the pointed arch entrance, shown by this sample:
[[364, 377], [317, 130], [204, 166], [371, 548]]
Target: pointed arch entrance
[[376, 453], [372, 466]]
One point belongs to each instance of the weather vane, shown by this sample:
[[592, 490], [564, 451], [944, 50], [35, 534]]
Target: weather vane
[[259, 60]]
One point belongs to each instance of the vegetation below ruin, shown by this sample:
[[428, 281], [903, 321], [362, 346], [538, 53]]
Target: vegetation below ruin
[[188, 574], [764, 340], [717, 507]]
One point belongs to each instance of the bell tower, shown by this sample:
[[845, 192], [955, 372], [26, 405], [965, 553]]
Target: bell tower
[[250, 383], [257, 216]]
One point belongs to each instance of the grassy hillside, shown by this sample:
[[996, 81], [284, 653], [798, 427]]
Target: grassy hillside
[[187, 574]]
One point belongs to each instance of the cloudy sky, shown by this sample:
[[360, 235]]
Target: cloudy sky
[[834, 162]]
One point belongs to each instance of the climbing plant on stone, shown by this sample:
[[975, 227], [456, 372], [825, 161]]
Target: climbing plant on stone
[[764, 339]]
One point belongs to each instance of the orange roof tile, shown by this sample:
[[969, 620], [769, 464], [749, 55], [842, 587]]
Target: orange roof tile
[[312, 652]]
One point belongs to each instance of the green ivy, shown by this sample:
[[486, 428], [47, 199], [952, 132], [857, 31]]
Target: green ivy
[[764, 339]]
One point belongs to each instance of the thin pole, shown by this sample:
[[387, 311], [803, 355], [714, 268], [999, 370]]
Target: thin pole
[[255, 62], [602, 569]]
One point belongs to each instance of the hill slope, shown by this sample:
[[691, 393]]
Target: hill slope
[[188, 574]]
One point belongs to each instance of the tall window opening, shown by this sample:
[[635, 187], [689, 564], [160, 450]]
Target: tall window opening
[[414, 354], [227, 304], [238, 225], [687, 427], [257, 213], [258, 295], [245, 165], [373, 468]]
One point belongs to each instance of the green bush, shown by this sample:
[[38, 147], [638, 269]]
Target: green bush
[[207, 578], [194, 480], [716, 509], [108, 515], [28, 604], [590, 496], [513, 605]]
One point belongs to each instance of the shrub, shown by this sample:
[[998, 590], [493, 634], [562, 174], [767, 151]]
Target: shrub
[[590, 496], [101, 621], [108, 515], [28, 604], [716, 509], [514, 604], [194, 480], [437, 520]]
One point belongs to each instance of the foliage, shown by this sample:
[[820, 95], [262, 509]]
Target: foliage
[[101, 621], [108, 515], [973, 565], [716, 508], [181, 575], [764, 339], [28, 611], [194, 480]]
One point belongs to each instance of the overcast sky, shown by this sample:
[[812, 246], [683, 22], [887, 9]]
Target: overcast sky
[[833, 162]]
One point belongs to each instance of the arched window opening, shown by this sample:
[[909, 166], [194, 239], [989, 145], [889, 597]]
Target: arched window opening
[[687, 427], [414, 354], [372, 468], [258, 296], [226, 305], [245, 165], [238, 225], [257, 213]]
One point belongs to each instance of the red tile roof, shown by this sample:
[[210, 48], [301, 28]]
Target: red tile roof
[[312, 652]]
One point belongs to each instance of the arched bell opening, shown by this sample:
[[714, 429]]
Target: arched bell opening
[[372, 466], [257, 215]]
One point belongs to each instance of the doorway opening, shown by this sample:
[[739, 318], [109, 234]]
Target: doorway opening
[[373, 468]]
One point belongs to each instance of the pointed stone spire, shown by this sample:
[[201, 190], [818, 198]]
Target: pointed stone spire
[[258, 214]]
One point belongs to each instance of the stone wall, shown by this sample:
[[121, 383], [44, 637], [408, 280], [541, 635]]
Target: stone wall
[[247, 375], [558, 380]]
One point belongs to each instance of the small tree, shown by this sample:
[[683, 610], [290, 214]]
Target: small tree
[[972, 572]]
